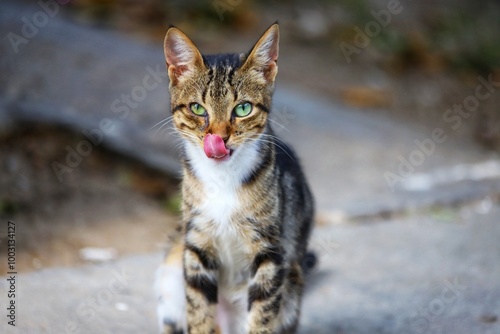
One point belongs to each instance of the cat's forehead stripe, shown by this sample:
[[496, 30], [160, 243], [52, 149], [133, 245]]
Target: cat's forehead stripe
[[218, 87], [221, 70], [209, 81]]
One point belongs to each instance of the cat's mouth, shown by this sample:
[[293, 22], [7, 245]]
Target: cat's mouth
[[215, 148]]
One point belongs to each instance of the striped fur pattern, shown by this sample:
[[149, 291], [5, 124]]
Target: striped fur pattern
[[236, 265]]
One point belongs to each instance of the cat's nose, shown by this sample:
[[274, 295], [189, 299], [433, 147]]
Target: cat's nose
[[224, 136]]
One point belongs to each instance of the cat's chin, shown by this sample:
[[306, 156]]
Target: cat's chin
[[223, 158]]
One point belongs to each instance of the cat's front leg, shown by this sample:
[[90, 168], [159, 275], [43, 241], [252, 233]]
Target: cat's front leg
[[265, 292], [200, 277], [169, 285]]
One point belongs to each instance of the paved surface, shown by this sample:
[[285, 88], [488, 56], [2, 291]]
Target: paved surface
[[420, 274], [433, 272]]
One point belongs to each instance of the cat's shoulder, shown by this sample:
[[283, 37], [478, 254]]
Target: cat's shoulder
[[286, 158]]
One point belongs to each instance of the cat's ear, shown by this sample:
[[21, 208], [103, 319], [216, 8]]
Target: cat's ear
[[264, 55], [181, 55]]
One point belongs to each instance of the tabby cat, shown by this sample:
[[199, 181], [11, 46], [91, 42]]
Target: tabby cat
[[237, 263]]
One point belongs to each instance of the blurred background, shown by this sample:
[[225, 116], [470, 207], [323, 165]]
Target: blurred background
[[414, 64], [393, 107]]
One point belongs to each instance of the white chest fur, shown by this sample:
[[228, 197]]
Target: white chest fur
[[221, 183]]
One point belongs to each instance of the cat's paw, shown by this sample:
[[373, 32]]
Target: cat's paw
[[171, 299], [171, 329]]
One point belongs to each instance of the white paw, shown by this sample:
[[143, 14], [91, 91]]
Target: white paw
[[169, 288]]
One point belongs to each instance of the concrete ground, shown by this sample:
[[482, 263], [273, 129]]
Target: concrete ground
[[419, 274], [419, 257]]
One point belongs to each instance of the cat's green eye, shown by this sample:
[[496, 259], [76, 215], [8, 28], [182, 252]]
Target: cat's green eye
[[243, 109], [198, 109]]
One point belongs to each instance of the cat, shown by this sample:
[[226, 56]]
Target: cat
[[237, 263]]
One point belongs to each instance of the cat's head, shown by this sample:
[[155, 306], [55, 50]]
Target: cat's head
[[220, 103]]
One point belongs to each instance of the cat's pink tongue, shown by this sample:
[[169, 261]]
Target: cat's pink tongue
[[214, 146]]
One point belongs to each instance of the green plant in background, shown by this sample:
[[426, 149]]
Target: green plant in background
[[359, 10], [469, 39], [460, 37], [444, 215], [8, 207], [392, 42], [173, 203], [152, 15]]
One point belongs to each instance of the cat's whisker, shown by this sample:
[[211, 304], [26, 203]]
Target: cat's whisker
[[275, 138], [161, 122], [188, 135], [278, 124], [163, 125], [169, 131], [271, 142], [179, 146]]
